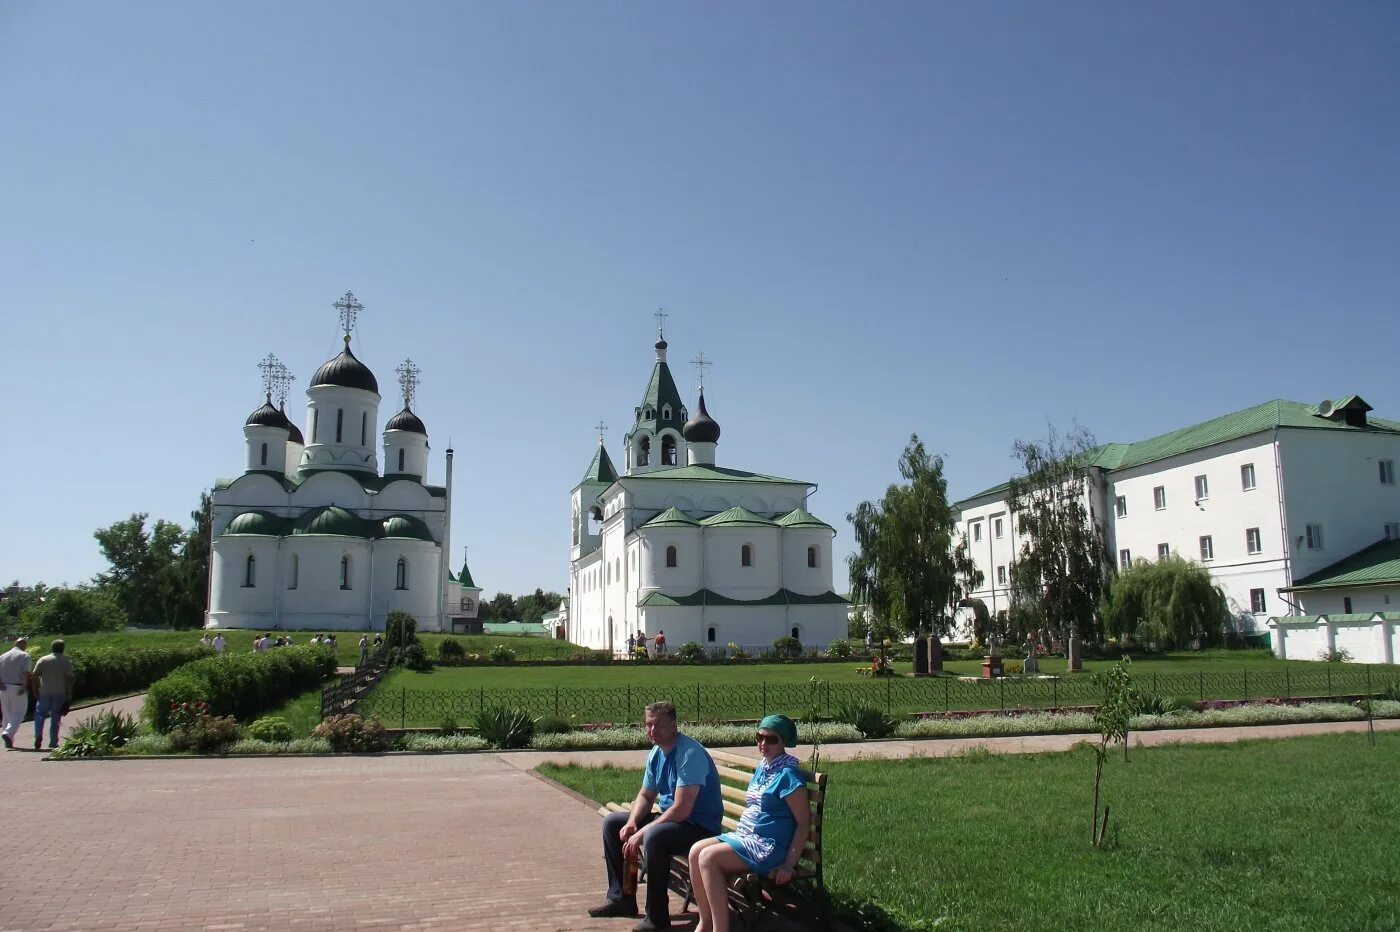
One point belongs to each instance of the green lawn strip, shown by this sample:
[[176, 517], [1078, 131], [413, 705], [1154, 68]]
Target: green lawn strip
[[617, 693], [303, 713], [1276, 835]]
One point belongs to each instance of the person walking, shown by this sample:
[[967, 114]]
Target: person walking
[[56, 677], [660, 642], [14, 689], [218, 644], [631, 646], [364, 649]]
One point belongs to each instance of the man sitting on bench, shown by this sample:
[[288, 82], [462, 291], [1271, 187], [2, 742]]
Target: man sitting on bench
[[681, 778]]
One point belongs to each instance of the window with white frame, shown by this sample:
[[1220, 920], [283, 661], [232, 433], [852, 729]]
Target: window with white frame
[[671, 556], [1207, 548], [1387, 472], [1001, 575], [345, 572], [1392, 531], [1164, 551], [1253, 543], [1256, 601], [1159, 498], [1202, 488], [1312, 537], [977, 531], [1247, 476], [250, 569], [997, 528], [1125, 559], [401, 574], [1120, 506]]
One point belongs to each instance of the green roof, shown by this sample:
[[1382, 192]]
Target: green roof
[[370, 483], [1378, 564], [738, 516], [672, 517], [332, 520], [712, 473], [800, 517], [660, 392], [406, 526], [600, 470], [1278, 413], [262, 523], [513, 627], [707, 597], [465, 577]]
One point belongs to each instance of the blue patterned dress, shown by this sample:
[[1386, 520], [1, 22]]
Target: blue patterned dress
[[766, 828]]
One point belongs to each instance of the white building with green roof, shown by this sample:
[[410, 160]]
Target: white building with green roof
[[312, 535], [1268, 498], [677, 544]]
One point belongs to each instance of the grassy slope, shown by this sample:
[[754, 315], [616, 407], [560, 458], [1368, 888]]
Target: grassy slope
[[1267, 835]]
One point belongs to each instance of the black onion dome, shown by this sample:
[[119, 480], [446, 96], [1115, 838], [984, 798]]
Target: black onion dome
[[406, 420], [701, 428], [347, 372], [267, 416], [292, 429], [661, 343]]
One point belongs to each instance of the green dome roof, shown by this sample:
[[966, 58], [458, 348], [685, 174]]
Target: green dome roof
[[800, 517], [332, 519], [738, 516], [407, 526], [263, 523], [672, 517]]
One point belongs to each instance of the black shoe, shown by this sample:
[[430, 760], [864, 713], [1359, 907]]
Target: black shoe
[[647, 925], [614, 908], [37, 743], [9, 742]]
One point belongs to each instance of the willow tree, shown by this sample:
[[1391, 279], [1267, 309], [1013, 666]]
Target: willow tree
[[910, 567], [1171, 603], [1059, 575]]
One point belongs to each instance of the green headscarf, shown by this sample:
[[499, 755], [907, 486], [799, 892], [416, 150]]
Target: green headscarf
[[783, 727]]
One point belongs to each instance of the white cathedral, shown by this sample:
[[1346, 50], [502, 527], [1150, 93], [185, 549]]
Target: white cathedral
[[312, 536], [679, 544]]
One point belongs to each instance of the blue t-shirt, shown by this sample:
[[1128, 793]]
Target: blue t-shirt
[[688, 764], [766, 828]]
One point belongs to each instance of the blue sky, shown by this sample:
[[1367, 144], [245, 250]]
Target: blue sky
[[962, 220]]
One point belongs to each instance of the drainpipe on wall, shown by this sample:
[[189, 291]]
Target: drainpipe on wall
[[444, 567], [1283, 527]]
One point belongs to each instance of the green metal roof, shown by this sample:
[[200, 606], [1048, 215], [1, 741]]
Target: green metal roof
[[800, 517], [465, 577], [406, 526], [1278, 413], [672, 517], [660, 392], [332, 520], [712, 473], [709, 598], [600, 470], [261, 523], [370, 483], [1377, 565], [738, 516], [513, 627]]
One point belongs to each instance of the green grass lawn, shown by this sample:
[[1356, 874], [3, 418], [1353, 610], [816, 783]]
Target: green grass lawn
[[303, 713], [618, 692], [1269, 835]]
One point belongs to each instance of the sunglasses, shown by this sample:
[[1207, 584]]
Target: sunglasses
[[761, 738]]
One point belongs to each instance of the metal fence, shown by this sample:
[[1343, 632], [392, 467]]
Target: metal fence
[[409, 708]]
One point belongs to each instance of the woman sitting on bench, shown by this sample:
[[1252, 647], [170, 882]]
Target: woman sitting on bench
[[771, 833]]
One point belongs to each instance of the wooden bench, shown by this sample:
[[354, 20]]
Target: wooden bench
[[751, 896]]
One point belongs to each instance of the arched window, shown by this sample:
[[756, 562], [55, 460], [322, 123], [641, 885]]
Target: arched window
[[644, 451], [250, 572], [668, 450], [647, 414], [292, 571], [710, 634], [400, 459], [812, 557], [794, 633], [671, 556], [364, 427], [401, 574], [339, 422], [666, 413], [345, 572], [746, 555], [264, 454], [315, 424]]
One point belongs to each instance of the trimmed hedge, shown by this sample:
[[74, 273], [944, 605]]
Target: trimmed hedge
[[242, 685], [108, 671]]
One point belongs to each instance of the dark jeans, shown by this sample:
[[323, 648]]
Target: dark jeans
[[658, 847]]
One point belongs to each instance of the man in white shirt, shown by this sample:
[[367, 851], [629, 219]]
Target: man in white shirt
[[218, 644], [14, 690]]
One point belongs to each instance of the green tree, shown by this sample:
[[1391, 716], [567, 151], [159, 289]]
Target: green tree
[[72, 611], [1173, 603], [910, 567], [533, 607], [501, 608], [1059, 576]]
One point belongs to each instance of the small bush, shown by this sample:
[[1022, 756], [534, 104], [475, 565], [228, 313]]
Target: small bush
[[553, 725], [353, 734], [788, 646], [870, 722], [271, 728], [448, 725], [501, 654], [1340, 655], [243, 685], [840, 649], [1013, 667], [1153, 704], [505, 728], [421, 742], [99, 735], [400, 630], [206, 734], [73, 611], [415, 657], [691, 652], [450, 651]]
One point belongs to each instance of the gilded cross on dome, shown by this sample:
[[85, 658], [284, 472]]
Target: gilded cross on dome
[[282, 383], [408, 381], [701, 363], [349, 307], [269, 366]]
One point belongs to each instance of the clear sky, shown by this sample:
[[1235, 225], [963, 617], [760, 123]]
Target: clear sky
[[957, 219]]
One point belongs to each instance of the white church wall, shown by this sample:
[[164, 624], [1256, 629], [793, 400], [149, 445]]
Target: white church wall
[[331, 488], [724, 569], [413, 446], [266, 448], [420, 598], [407, 496], [357, 413], [293, 460], [1363, 599], [251, 491], [318, 601], [683, 578], [797, 575], [239, 604]]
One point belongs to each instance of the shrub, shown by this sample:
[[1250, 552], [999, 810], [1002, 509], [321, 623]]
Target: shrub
[[501, 654], [99, 735], [73, 611], [840, 649], [691, 652], [1013, 667], [737, 652], [1153, 704], [1340, 655], [421, 742], [450, 651], [110, 671], [505, 728], [350, 733], [400, 630], [448, 725], [415, 657], [788, 646], [870, 722], [242, 685], [205, 734], [271, 728], [295, 746], [553, 725]]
